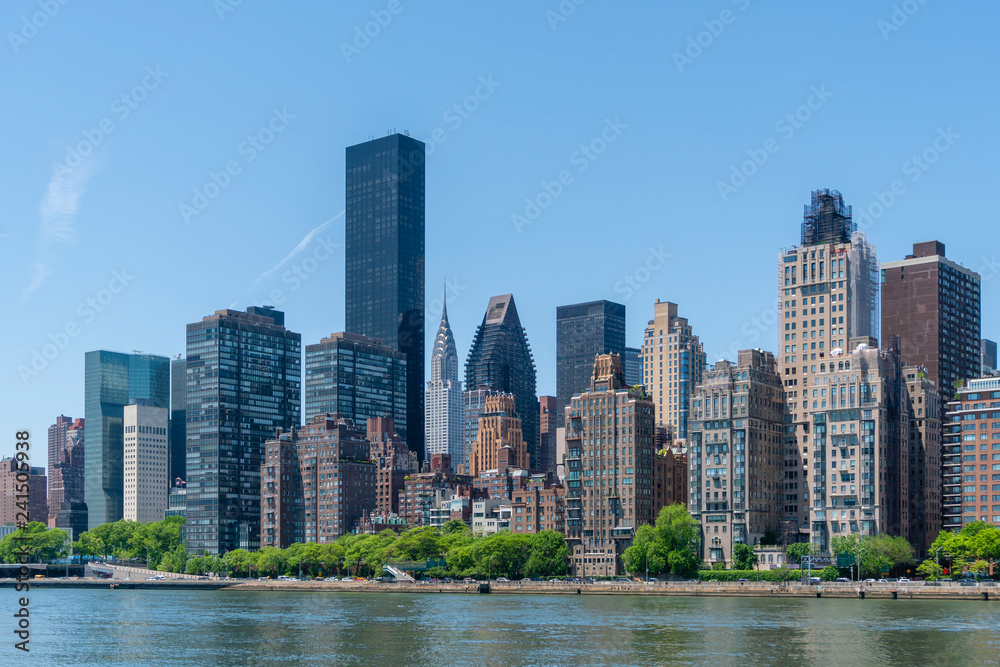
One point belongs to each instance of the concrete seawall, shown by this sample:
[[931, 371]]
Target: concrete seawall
[[915, 591]]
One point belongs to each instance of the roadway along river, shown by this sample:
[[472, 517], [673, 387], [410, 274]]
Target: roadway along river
[[142, 627]]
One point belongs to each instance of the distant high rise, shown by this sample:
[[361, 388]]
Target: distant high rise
[[57, 444], [547, 434], [112, 381], [498, 428], [443, 406], [828, 294], [610, 469], [583, 331], [672, 361], [297, 505], [968, 494], [12, 492], [988, 355], [473, 402], [924, 411], [932, 305], [177, 454], [736, 455], [385, 258], [631, 366], [66, 478], [501, 360], [357, 377], [244, 382], [145, 464]]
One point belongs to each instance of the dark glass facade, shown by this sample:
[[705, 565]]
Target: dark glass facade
[[177, 455], [385, 257], [357, 377], [583, 331], [243, 382], [501, 360], [112, 380]]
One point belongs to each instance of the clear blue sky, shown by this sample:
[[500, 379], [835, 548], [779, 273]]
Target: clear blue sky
[[198, 81]]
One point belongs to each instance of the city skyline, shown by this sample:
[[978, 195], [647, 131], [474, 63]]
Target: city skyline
[[280, 216]]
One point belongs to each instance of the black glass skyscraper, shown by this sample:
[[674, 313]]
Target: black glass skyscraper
[[501, 360], [243, 382], [177, 455], [583, 331], [385, 258], [113, 380]]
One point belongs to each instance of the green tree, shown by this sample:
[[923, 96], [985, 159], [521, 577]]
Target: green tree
[[743, 557], [829, 573], [43, 544], [548, 555], [796, 551], [930, 570]]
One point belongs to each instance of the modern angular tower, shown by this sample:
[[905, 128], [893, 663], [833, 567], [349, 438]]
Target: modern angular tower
[[443, 407], [385, 257], [112, 381], [500, 359]]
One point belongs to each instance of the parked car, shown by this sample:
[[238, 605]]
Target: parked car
[[503, 580], [468, 580], [150, 578], [622, 579], [553, 581], [262, 578], [869, 581], [843, 580], [883, 581], [904, 580], [815, 580], [740, 580]]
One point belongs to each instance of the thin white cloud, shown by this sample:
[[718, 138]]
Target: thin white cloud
[[306, 240], [57, 216]]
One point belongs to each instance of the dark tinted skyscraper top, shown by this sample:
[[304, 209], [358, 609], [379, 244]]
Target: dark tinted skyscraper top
[[932, 305], [501, 360], [177, 456], [243, 382], [385, 257], [112, 381], [583, 331]]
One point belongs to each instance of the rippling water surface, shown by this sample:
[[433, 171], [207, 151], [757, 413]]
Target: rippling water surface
[[105, 627]]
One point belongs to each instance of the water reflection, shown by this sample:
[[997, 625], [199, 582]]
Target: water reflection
[[101, 627]]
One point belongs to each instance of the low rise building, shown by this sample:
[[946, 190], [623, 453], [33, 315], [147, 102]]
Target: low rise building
[[426, 491], [22, 488]]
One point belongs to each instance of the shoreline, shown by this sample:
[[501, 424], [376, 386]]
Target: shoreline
[[950, 591]]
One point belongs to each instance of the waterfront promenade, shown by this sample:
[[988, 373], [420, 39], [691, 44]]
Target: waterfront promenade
[[917, 591]]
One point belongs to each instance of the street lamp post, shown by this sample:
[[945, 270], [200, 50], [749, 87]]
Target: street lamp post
[[489, 568]]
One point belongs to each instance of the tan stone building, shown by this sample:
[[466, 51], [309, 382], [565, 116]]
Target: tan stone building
[[671, 364], [498, 427], [610, 469], [736, 454]]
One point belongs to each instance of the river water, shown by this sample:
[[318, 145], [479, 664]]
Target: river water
[[114, 627]]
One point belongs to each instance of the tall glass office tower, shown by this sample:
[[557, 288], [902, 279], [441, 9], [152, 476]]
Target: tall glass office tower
[[243, 382], [583, 331], [112, 381], [385, 258]]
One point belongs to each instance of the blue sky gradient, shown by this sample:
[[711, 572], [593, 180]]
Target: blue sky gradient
[[570, 153]]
